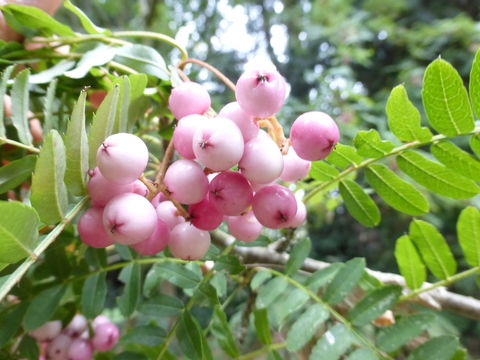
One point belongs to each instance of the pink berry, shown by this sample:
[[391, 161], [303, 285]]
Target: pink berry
[[129, 218], [294, 167], [245, 227], [188, 242], [314, 135], [168, 213], [58, 348], [274, 206], [245, 122], [47, 331], [262, 161], [139, 188], [186, 181], [230, 192], [101, 190], [188, 98], [106, 336], [91, 230], [76, 326], [80, 349], [183, 134], [158, 199], [100, 319], [261, 92], [122, 158], [156, 242], [300, 215], [205, 216], [218, 144]]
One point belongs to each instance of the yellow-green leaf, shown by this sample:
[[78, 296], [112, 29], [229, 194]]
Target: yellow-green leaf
[[359, 204], [468, 230], [410, 263]]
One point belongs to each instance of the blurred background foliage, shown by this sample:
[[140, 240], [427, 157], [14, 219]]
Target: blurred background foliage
[[338, 56]]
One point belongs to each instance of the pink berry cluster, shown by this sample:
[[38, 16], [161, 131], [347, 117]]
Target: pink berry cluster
[[75, 342], [226, 171]]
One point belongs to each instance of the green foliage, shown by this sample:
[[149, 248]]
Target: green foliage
[[409, 262]]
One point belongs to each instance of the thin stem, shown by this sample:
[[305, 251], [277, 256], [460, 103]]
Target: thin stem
[[209, 67], [263, 350], [151, 188], [445, 282], [78, 39], [30, 148], [398, 150], [166, 160], [41, 247], [152, 35]]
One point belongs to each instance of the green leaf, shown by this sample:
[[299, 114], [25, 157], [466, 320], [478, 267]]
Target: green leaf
[[20, 107], [475, 84], [49, 194], [18, 231], [392, 337], [28, 348], [395, 191], [344, 156], [130, 298], [445, 99], [298, 255], [322, 171], [345, 280], [121, 120], [369, 144], [48, 108], [34, 18], [374, 304], [191, 338], [291, 302], [148, 335], [404, 118], [436, 177], [306, 326], [321, 277], [219, 282], [3, 87], [222, 332], [16, 172], [475, 144], [43, 306], [162, 306], [100, 55], [87, 24], [259, 278], [439, 348], [178, 275], [102, 124], [456, 159], [51, 73], [433, 248], [410, 263], [76, 144], [362, 354], [468, 230], [230, 263], [359, 204], [10, 322], [262, 326], [333, 344], [143, 59], [94, 294], [269, 293]]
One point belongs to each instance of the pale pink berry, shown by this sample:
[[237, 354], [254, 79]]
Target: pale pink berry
[[314, 135], [122, 158], [218, 144], [168, 213], [58, 348], [245, 227], [245, 122], [156, 242], [158, 199], [47, 331], [102, 190], [256, 186], [129, 218], [186, 181], [261, 92], [100, 319], [188, 242], [139, 188], [183, 134], [106, 336], [188, 98], [262, 161], [205, 216], [80, 349], [300, 215], [274, 206], [77, 326], [91, 230], [294, 167], [230, 192]]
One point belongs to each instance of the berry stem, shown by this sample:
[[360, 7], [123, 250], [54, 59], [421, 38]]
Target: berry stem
[[209, 67], [152, 189], [181, 210], [276, 132], [164, 165]]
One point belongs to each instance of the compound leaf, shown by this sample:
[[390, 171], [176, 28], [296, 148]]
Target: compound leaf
[[359, 204], [456, 159]]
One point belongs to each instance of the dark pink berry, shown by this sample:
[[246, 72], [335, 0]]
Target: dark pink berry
[[274, 206]]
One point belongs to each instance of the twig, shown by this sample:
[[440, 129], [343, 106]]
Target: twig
[[209, 67]]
